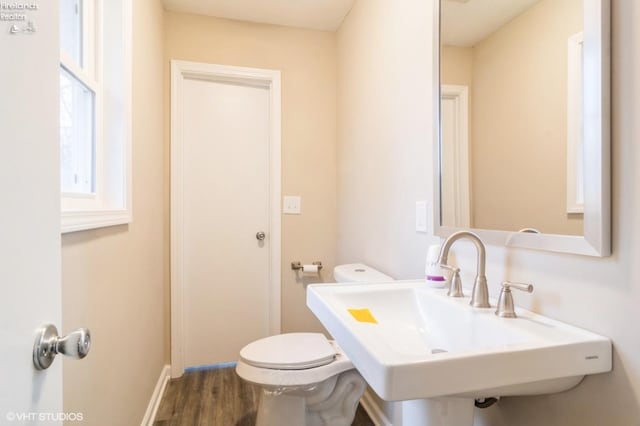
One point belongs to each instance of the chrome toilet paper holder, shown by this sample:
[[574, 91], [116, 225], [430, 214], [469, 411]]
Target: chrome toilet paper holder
[[297, 266]]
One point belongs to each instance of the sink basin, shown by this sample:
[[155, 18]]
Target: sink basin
[[424, 344]]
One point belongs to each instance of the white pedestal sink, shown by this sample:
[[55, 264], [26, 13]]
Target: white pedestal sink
[[438, 353], [438, 412]]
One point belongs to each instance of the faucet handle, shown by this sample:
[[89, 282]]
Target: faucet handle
[[455, 283], [449, 268], [506, 307], [455, 287]]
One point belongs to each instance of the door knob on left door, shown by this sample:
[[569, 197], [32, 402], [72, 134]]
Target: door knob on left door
[[48, 344], [260, 236]]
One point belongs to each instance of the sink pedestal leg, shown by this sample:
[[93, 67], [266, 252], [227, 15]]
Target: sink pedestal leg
[[438, 412]]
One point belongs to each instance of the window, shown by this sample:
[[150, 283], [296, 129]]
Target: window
[[95, 127]]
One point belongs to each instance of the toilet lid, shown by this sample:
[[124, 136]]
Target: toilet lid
[[290, 351]]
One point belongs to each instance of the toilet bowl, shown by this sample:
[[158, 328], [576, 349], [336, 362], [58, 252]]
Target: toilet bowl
[[306, 379]]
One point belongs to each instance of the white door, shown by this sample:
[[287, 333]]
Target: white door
[[226, 236], [30, 217]]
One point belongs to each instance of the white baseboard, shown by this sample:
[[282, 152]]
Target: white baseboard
[[156, 397], [375, 411]]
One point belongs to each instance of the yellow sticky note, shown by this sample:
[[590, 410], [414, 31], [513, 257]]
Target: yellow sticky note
[[362, 315]]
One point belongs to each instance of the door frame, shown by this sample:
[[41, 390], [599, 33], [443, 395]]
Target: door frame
[[270, 79], [460, 165]]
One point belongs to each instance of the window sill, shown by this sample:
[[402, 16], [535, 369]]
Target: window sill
[[72, 221]]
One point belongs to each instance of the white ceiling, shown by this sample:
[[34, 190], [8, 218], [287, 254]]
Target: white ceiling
[[464, 23], [314, 14]]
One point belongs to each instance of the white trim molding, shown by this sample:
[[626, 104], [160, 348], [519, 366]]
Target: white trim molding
[[456, 169], [73, 221], [181, 70], [575, 125], [156, 397]]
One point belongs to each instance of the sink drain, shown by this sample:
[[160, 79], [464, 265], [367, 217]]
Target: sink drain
[[438, 351]]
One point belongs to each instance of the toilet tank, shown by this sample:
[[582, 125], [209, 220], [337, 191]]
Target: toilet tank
[[358, 272]]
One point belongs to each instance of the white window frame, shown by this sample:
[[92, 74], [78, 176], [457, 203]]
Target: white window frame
[[88, 73], [575, 125], [110, 203]]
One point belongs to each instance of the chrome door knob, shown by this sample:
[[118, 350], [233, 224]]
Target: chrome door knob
[[48, 344], [260, 236]]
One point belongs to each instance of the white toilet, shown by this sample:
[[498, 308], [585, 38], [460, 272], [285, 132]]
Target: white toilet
[[306, 379]]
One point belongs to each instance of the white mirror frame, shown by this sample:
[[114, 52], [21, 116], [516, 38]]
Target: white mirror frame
[[597, 149]]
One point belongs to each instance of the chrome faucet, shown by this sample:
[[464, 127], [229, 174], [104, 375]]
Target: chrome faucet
[[480, 293]]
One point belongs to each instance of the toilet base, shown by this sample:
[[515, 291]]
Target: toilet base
[[332, 402], [280, 409]]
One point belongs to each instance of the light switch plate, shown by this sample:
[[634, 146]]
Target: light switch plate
[[291, 204], [421, 217]]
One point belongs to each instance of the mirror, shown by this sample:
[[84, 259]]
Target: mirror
[[523, 157]]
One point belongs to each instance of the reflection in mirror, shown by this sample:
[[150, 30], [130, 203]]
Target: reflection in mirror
[[516, 80], [515, 71]]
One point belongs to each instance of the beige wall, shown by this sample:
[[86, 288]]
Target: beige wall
[[456, 65], [112, 279], [307, 62], [384, 136], [519, 104], [384, 131]]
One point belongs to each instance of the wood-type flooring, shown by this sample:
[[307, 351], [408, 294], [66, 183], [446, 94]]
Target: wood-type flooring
[[216, 397]]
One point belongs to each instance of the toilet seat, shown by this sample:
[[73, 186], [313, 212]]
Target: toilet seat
[[290, 351], [278, 378]]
